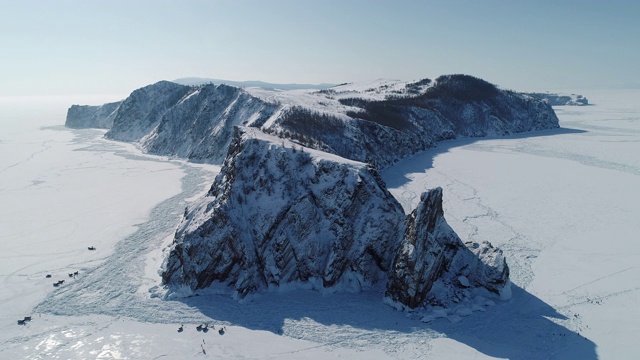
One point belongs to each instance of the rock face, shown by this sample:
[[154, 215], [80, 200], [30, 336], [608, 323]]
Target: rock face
[[279, 214], [378, 123], [200, 126], [85, 116], [143, 110], [431, 251], [195, 123]]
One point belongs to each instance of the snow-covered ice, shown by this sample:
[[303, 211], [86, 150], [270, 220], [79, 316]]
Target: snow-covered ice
[[563, 204]]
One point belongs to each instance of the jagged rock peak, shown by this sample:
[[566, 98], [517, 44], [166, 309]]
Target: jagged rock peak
[[281, 214], [432, 252]]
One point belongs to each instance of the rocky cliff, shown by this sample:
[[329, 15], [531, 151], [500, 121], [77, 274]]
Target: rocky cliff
[[379, 122], [86, 116], [432, 252], [298, 202], [280, 215], [142, 111], [200, 126]]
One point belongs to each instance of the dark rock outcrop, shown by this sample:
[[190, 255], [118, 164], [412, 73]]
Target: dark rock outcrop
[[282, 215], [431, 251]]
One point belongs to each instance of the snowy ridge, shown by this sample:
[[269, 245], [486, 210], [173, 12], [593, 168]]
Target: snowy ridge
[[384, 121], [378, 122], [279, 215], [142, 111], [200, 126]]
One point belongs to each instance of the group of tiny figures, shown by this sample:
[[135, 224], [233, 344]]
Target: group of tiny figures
[[205, 328]]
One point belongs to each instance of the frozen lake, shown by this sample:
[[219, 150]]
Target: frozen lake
[[563, 204]]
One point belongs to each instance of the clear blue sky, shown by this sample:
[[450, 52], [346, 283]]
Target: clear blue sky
[[114, 47]]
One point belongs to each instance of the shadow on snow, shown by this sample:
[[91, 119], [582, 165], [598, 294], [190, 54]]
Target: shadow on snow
[[423, 161], [524, 327]]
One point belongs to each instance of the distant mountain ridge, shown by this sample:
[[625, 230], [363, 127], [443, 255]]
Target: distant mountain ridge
[[260, 84]]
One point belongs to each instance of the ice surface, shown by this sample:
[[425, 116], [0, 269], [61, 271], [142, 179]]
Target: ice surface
[[562, 204]]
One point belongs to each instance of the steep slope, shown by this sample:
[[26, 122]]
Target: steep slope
[[200, 126], [86, 116], [379, 122], [432, 252], [142, 111], [279, 214], [387, 121]]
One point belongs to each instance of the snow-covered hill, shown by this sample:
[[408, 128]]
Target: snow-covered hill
[[286, 210], [561, 99], [200, 126], [379, 122], [143, 111], [280, 215]]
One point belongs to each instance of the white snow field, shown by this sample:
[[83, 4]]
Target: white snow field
[[563, 204]]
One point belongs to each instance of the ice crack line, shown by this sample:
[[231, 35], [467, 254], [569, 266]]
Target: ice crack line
[[46, 146], [598, 279]]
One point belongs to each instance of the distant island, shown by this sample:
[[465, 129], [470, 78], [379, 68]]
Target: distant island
[[561, 99]]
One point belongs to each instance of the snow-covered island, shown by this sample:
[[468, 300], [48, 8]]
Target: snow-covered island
[[298, 202], [283, 215], [378, 122], [561, 99]]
